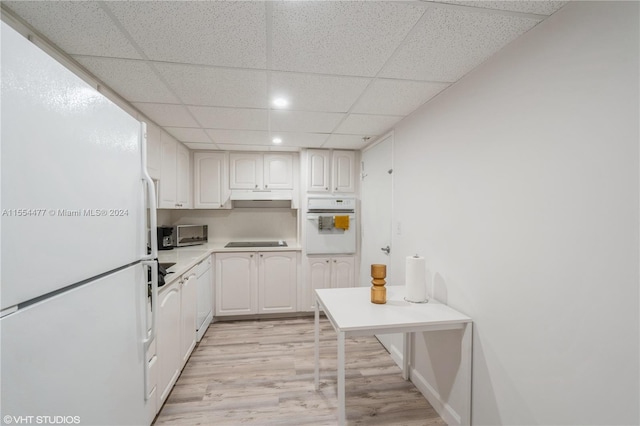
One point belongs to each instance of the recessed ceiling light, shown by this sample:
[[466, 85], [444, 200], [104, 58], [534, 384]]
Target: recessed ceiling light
[[277, 140], [280, 102]]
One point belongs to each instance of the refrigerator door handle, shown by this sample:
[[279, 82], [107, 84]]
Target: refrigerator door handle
[[151, 199], [150, 335]]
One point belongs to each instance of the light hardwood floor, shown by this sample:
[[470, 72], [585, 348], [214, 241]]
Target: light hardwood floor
[[260, 372]]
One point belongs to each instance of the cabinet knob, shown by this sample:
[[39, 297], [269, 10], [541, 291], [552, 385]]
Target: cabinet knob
[[256, 186], [266, 186], [327, 260], [250, 255], [326, 187]]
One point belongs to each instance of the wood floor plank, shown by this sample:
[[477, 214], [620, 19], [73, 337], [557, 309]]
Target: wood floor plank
[[261, 372]]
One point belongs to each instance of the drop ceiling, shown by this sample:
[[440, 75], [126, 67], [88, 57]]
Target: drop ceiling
[[208, 71]]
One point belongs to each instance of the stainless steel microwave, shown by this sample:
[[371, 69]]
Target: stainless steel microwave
[[190, 235]]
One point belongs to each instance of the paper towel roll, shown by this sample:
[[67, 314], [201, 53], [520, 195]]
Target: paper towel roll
[[416, 283]]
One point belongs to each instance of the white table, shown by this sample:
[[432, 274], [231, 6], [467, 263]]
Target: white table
[[351, 313]]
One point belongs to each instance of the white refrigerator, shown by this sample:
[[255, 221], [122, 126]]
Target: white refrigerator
[[76, 205]]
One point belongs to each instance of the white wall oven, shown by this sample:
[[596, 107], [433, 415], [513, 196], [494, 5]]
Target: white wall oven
[[331, 226]]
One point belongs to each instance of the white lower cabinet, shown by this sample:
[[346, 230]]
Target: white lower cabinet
[[176, 331], [327, 272], [256, 282]]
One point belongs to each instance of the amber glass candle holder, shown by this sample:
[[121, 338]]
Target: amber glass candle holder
[[378, 290]]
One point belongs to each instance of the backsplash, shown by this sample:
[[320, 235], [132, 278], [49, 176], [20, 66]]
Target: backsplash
[[238, 223]]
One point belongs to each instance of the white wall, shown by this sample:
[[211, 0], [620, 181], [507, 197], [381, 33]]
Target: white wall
[[520, 184]]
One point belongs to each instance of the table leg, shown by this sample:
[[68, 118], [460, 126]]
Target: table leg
[[341, 389], [406, 343], [317, 346], [466, 365]]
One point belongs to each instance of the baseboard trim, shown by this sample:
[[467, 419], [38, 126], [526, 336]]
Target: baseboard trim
[[448, 414]]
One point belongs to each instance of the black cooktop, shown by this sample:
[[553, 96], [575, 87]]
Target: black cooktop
[[256, 244]]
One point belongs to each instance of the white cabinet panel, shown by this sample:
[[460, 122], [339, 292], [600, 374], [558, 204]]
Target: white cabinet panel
[[183, 177], [188, 313], [278, 171], [331, 171], [236, 284], [327, 272], [168, 338], [175, 174], [343, 165], [277, 282], [209, 179], [260, 171], [153, 151], [246, 171]]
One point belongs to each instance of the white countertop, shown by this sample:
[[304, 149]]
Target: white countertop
[[186, 258]]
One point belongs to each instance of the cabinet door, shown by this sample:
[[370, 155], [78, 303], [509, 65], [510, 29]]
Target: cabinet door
[[342, 272], [183, 177], [205, 297], [245, 171], [318, 276], [236, 287], [153, 151], [209, 180], [343, 166], [277, 282], [168, 340], [318, 169], [188, 310], [167, 187], [278, 171]]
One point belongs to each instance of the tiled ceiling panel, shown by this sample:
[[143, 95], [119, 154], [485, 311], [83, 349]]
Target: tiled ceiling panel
[[77, 27], [208, 86], [302, 121], [231, 118], [448, 43], [208, 71], [345, 141], [396, 97], [346, 38], [134, 80], [197, 32], [242, 137], [366, 124], [188, 134], [167, 115], [540, 7], [314, 92]]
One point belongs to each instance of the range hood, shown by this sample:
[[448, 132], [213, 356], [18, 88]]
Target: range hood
[[252, 195]]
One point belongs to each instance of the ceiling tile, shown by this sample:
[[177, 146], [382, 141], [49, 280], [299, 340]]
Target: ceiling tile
[[133, 80], [396, 97], [302, 121], [448, 43], [188, 134], [338, 141], [300, 139], [231, 118], [242, 137], [78, 27], [314, 92], [344, 37], [206, 86], [367, 124], [167, 114], [540, 7], [203, 146], [197, 32]]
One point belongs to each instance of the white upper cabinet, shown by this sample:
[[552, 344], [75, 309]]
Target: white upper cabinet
[[319, 166], [175, 174], [278, 171], [331, 171], [343, 176], [211, 190], [260, 171], [153, 151], [183, 175], [245, 171]]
